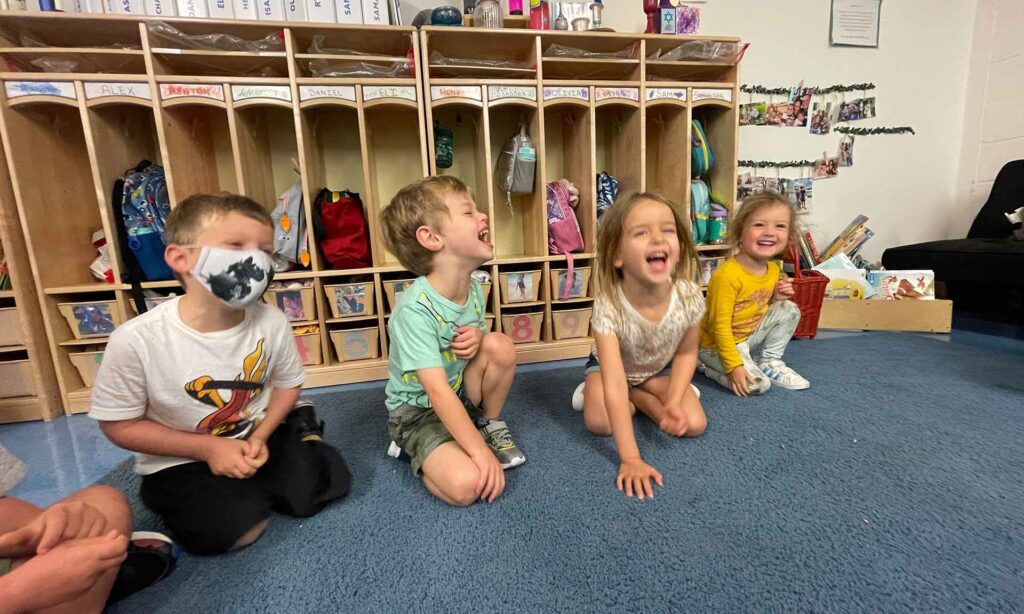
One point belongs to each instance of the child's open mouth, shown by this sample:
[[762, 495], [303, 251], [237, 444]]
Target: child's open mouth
[[484, 236], [658, 261], [766, 243]]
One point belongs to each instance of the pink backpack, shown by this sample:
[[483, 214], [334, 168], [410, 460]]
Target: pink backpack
[[564, 236]]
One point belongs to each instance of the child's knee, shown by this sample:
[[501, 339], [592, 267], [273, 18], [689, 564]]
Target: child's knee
[[697, 426], [112, 503], [788, 309], [499, 349], [461, 485], [597, 424]]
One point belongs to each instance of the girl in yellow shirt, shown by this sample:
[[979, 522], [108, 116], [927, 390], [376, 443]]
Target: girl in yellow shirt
[[748, 306]]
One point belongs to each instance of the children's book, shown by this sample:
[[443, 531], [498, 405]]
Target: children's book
[[834, 247], [898, 285]]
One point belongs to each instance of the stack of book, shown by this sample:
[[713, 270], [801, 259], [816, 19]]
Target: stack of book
[[848, 242], [373, 12]]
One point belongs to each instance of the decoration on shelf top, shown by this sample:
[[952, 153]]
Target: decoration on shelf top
[[874, 131], [816, 91], [773, 164]]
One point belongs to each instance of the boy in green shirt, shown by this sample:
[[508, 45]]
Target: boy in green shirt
[[447, 379]]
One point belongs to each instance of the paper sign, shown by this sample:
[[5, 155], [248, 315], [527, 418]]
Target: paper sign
[[60, 89], [666, 93], [440, 92], [625, 93], [250, 92], [388, 91], [169, 91], [716, 94], [314, 92], [855, 22], [94, 90], [580, 93], [503, 92]]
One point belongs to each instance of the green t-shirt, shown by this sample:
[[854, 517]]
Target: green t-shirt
[[421, 331]]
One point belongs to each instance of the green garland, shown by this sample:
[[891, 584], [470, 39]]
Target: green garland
[[870, 131], [817, 91], [768, 164]]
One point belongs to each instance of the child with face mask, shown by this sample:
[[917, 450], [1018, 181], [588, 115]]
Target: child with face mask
[[205, 389]]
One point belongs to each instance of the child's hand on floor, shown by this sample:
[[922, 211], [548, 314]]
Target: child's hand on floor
[[635, 477], [741, 381], [783, 290], [467, 343], [492, 476], [258, 454], [674, 421], [55, 525], [227, 457]]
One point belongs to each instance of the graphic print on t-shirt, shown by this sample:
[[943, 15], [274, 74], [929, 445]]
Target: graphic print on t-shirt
[[231, 418], [743, 327]]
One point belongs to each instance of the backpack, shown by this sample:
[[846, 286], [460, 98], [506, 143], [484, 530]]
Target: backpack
[[517, 166], [341, 229], [144, 207], [291, 246], [702, 159], [700, 211], [564, 236]]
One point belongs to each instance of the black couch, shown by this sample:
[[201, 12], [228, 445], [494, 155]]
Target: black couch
[[984, 272]]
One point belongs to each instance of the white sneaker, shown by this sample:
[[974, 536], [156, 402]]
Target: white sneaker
[[696, 390], [394, 451], [783, 376], [577, 397]]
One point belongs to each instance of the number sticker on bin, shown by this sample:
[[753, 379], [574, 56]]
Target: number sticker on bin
[[60, 89], [356, 346], [522, 328]]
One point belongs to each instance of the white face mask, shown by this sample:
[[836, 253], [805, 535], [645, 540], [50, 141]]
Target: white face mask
[[237, 277]]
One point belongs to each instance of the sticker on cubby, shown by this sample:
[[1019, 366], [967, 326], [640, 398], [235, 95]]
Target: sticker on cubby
[[666, 93], [579, 93], [60, 89], [521, 328], [470, 92], [99, 89], [505, 92], [317, 92], [170, 91], [376, 92], [712, 94], [610, 93], [252, 92]]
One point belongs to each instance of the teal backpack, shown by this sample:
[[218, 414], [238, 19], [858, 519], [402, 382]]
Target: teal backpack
[[701, 157]]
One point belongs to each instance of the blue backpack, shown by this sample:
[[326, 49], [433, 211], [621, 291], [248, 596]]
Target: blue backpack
[[144, 209], [701, 156]]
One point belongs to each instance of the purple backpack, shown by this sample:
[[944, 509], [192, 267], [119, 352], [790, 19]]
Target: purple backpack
[[564, 236]]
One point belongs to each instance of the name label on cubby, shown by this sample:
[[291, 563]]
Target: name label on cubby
[[580, 93], [440, 92], [503, 92], [716, 94], [624, 93], [250, 92], [169, 91], [314, 92], [375, 92], [666, 93], [60, 89], [94, 90]]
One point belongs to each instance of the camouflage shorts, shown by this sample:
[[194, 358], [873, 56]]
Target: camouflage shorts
[[419, 431], [5, 565]]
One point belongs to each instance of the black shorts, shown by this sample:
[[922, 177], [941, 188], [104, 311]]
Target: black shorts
[[207, 513]]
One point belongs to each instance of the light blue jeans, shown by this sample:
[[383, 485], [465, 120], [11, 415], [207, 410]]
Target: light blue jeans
[[771, 337]]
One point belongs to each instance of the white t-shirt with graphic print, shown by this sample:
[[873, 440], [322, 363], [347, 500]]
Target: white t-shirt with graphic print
[[217, 383]]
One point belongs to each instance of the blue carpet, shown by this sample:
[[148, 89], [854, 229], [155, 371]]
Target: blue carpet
[[894, 484]]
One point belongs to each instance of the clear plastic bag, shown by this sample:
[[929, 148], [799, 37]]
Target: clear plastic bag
[[170, 36], [493, 68], [563, 51], [26, 39], [354, 68], [317, 46], [703, 51]]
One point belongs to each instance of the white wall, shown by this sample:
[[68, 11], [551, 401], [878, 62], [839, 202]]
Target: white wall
[[904, 184], [994, 124]]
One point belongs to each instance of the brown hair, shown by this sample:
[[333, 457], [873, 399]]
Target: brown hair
[[418, 204], [754, 203], [192, 215], [609, 238]]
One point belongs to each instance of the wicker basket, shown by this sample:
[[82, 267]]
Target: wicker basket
[[808, 292]]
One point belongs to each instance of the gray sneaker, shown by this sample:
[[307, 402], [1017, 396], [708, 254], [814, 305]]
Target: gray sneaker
[[496, 435]]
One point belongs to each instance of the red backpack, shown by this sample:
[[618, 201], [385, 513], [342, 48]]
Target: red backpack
[[341, 230]]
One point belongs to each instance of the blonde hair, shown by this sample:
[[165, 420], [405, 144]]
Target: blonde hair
[[752, 204], [418, 204], [192, 215], [609, 238]]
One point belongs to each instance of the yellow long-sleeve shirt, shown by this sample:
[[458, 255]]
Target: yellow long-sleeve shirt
[[736, 303]]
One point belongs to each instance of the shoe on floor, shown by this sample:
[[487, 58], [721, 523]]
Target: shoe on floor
[[495, 433], [783, 376], [151, 558], [303, 418], [696, 390], [394, 451], [577, 397]]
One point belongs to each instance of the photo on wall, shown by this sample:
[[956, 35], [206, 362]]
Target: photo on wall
[[753, 114], [748, 183], [779, 114], [846, 150], [855, 110], [826, 168], [821, 118], [800, 101], [800, 193]]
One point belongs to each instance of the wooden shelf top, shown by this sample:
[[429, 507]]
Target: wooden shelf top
[[93, 287], [81, 342], [713, 248], [522, 304], [351, 319], [4, 349], [6, 293]]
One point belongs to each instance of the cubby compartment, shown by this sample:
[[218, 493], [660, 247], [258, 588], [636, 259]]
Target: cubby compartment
[[668, 150], [518, 222], [569, 155], [307, 342], [87, 362], [568, 56], [16, 379], [468, 150], [719, 121], [351, 298], [200, 157], [618, 132], [352, 344], [684, 59], [500, 54], [267, 152], [334, 160], [571, 323], [297, 299], [263, 56], [395, 159], [98, 48], [55, 188], [523, 325]]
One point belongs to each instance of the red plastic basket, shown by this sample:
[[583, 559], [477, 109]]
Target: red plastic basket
[[808, 293]]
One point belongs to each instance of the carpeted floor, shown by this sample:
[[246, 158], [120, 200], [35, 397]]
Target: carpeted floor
[[894, 484]]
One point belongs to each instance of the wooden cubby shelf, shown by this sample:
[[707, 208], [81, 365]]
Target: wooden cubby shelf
[[346, 108]]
